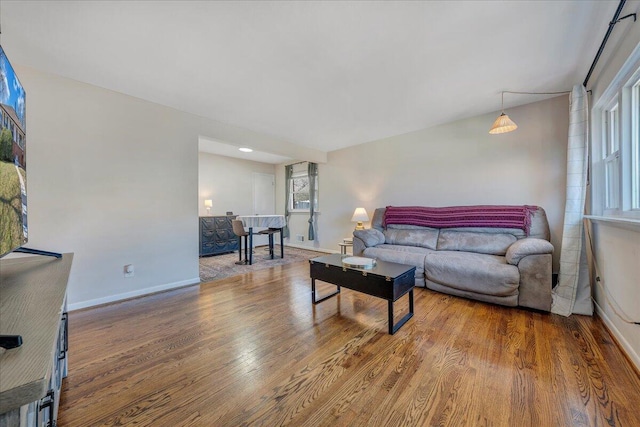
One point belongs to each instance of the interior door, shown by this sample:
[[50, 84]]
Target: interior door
[[264, 200], [264, 194]]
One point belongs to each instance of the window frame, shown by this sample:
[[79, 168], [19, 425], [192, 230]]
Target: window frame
[[301, 173], [622, 96], [292, 193], [611, 156], [635, 147]]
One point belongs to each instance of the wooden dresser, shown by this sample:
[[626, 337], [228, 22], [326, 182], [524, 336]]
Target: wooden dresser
[[33, 304], [216, 235]]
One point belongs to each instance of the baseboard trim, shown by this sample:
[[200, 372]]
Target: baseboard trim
[[132, 294], [619, 338], [310, 248], [165, 287]]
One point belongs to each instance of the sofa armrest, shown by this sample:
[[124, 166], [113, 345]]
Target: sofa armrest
[[370, 237], [363, 239], [527, 246], [535, 282]]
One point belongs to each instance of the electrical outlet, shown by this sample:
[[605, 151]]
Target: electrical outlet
[[129, 271], [299, 237]]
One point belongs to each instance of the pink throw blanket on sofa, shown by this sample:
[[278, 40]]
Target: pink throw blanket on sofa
[[495, 216]]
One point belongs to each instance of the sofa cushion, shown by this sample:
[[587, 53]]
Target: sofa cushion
[[409, 227], [509, 300], [409, 258], [422, 237], [401, 248], [383, 253], [484, 243], [467, 271], [519, 234]]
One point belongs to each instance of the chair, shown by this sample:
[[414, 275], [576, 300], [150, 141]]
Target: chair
[[238, 230], [270, 232]]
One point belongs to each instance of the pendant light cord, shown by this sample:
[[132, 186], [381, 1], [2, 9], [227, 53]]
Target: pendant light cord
[[530, 93]]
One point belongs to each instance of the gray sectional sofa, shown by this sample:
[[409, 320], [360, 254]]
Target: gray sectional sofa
[[498, 265]]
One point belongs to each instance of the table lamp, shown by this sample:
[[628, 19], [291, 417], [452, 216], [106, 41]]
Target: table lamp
[[359, 215], [208, 204]]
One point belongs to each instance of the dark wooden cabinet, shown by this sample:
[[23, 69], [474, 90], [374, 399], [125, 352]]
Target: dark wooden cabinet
[[216, 235]]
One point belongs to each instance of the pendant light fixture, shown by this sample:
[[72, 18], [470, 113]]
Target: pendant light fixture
[[503, 123]]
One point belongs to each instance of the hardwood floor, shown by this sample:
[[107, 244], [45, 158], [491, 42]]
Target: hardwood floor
[[252, 350]]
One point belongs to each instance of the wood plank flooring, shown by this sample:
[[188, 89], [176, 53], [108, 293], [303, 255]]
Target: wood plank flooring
[[253, 350]]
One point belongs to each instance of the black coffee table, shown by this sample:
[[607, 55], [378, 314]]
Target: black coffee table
[[387, 280]]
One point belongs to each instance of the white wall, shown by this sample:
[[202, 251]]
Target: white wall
[[228, 182], [617, 247], [453, 164], [114, 179], [617, 251]]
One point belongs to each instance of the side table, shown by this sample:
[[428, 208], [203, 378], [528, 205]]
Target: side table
[[346, 243]]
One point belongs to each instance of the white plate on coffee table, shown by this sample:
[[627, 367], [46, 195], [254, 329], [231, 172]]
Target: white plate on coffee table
[[359, 262]]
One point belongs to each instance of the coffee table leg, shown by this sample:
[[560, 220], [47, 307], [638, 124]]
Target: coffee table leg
[[313, 293], [394, 328], [390, 312]]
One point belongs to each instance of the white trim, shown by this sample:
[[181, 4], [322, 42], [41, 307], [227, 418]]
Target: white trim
[[626, 347], [622, 222], [625, 74], [133, 294], [302, 211], [634, 150], [311, 248], [620, 91]]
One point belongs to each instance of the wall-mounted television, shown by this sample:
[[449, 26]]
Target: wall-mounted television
[[13, 159]]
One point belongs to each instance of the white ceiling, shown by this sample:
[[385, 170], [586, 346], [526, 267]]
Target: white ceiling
[[208, 145], [325, 75]]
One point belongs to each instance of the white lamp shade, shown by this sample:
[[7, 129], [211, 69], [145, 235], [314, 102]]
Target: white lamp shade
[[503, 124], [360, 215], [208, 203]]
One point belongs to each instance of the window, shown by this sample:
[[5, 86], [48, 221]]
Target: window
[[300, 192], [299, 199], [611, 156], [635, 149], [616, 146]]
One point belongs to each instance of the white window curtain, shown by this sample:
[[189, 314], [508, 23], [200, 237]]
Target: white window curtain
[[573, 292]]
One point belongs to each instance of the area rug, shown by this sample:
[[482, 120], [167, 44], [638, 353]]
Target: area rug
[[221, 266]]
